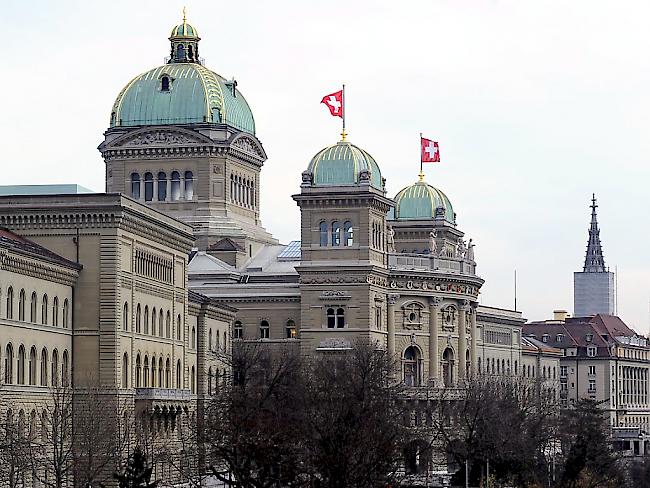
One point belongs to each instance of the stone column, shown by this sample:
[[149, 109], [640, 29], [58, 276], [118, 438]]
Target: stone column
[[154, 197], [390, 343], [462, 340], [168, 189], [473, 350], [434, 360], [181, 189]]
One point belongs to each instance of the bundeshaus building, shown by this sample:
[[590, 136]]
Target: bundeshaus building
[[134, 288]]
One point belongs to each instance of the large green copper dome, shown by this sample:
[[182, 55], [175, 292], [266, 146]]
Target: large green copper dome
[[183, 91], [421, 201], [342, 164], [195, 95]]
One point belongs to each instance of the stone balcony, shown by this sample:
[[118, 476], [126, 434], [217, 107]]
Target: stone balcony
[[162, 400], [422, 262], [162, 394]]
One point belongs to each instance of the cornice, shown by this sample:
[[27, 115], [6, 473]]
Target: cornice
[[37, 268]]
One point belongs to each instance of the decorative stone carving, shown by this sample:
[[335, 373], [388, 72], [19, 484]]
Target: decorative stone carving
[[449, 317], [470, 251], [159, 137], [391, 239], [337, 294], [436, 301], [392, 298], [307, 178], [364, 177], [334, 343], [461, 249], [248, 146]]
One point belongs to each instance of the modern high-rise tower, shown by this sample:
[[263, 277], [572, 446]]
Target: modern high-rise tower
[[593, 287]]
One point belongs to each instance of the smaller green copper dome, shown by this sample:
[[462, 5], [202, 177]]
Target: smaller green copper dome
[[184, 30], [342, 164], [420, 201]]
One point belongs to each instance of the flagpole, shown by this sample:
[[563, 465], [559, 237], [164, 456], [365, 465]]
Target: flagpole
[[343, 134], [421, 167]]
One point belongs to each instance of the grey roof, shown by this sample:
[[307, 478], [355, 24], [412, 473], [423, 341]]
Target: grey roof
[[291, 252], [59, 189]]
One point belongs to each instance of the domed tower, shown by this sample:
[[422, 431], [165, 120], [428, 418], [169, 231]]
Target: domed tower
[[343, 268], [423, 221], [182, 139]]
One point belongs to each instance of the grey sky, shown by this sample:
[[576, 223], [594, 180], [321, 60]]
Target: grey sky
[[535, 104]]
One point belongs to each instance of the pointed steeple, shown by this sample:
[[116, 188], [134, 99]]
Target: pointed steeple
[[594, 260]]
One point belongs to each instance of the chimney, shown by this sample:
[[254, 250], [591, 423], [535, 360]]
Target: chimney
[[560, 315]]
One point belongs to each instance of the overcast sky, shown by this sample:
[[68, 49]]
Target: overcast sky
[[536, 104]]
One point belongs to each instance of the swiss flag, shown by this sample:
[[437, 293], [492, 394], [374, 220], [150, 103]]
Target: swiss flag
[[430, 151], [334, 102]]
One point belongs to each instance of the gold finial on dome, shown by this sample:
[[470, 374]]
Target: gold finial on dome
[[184, 15], [421, 177]]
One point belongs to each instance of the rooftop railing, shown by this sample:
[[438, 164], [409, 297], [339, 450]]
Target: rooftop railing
[[422, 262]]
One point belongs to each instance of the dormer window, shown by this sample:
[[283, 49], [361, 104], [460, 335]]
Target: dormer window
[[164, 83], [591, 351], [559, 337], [590, 337], [545, 338]]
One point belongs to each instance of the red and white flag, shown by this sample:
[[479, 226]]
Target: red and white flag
[[334, 102], [430, 151]]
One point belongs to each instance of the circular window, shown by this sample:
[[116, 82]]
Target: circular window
[[412, 316]]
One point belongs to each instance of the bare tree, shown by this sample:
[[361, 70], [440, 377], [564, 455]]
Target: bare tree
[[354, 431], [14, 450], [52, 457], [101, 436]]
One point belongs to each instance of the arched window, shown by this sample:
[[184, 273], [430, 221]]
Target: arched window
[[66, 313], [44, 365], [65, 377], [161, 319], [193, 344], [164, 83], [146, 319], [190, 53], [135, 186], [153, 372], [210, 380], [340, 318], [160, 372], [323, 233], [9, 365], [125, 371], [10, 303], [32, 308], [265, 330], [348, 233], [189, 185], [125, 317], [176, 186], [180, 52], [55, 312], [44, 429], [54, 374], [138, 371], [168, 325], [21, 365], [145, 372], [44, 308], [335, 318], [153, 321], [411, 366], [178, 327], [138, 319], [162, 186], [336, 234], [193, 380], [218, 342], [148, 187], [210, 340], [516, 368], [238, 330], [21, 305], [291, 329], [448, 367], [479, 365], [168, 373], [32, 366], [179, 383]]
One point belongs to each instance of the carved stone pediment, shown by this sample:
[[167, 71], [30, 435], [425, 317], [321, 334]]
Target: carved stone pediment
[[249, 146], [159, 136]]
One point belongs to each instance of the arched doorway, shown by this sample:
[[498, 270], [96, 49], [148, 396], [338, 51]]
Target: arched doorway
[[448, 367], [411, 366], [417, 457]]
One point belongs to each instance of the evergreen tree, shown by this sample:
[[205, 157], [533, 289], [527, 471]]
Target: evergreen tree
[[137, 474]]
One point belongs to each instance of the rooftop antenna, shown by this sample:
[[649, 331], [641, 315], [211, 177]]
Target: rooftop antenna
[[616, 290], [515, 290]]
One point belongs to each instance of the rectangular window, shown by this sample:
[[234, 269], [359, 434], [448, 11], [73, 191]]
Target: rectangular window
[[592, 370], [592, 386], [591, 351], [563, 371]]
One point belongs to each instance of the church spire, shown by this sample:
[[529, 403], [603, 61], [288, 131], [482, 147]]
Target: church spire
[[594, 260]]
